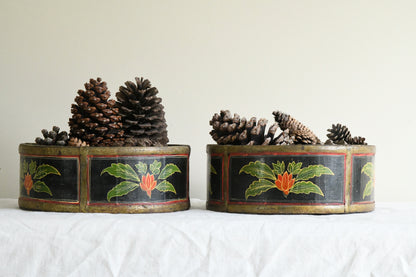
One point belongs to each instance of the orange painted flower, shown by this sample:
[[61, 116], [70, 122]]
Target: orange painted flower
[[28, 183], [285, 182], [148, 184]]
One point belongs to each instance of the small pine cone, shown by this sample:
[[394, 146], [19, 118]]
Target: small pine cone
[[54, 137], [229, 129], [142, 114], [358, 140], [95, 119], [284, 138], [339, 134], [301, 133], [76, 142]]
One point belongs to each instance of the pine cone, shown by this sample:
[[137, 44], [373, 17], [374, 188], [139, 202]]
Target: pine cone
[[302, 135], [95, 119], [358, 140], [228, 129], [339, 134], [53, 137], [142, 114], [76, 142], [284, 138]]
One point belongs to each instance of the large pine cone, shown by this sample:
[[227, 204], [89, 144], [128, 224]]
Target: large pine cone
[[339, 134], [95, 119], [301, 134], [142, 114], [229, 129]]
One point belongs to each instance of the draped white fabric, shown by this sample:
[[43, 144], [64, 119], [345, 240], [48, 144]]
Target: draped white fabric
[[198, 242]]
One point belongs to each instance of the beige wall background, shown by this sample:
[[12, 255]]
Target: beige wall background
[[322, 61]]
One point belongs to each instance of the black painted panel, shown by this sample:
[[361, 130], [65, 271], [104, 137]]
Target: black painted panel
[[63, 187], [101, 183], [215, 178], [332, 186], [361, 179]]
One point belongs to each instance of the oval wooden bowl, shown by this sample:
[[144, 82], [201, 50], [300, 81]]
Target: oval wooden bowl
[[104, 179], [291, 179]]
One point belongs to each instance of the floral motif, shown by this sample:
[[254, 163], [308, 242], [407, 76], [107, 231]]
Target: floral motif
[[148, 184], [28, 183], [285, 182], [31, 174], [293, 179]]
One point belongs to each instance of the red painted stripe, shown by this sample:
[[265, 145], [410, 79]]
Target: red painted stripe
[[215, 202], [50, 201], [57, 156], [187, 178], [345, 176], [351, 179], [364, 154], [88, 180], [138, 203], [286, 153], [286, 204], [134, 156]]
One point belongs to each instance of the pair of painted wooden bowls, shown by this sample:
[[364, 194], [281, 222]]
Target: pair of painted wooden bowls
[[294, 179]]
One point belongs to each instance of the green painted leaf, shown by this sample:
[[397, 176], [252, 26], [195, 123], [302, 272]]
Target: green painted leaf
[[278, 168], [368, 169], [296, 168], [368, 190], [290, 167], [45, 169], [32, 167], [168, 170], [23, 169], [259, 170], [313, 171], [306, 187], [40, 186], [121, 189], [258, 187], [155, 167], [213, 171], [123, 171], [165, 186], [141, 168]]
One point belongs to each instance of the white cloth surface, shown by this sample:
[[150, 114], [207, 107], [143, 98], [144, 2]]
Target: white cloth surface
[[198, 242]]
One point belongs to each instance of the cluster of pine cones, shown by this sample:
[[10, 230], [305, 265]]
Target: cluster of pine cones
[[137, 117], [234, 130]]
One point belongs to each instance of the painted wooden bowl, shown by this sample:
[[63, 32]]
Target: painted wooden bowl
[[291, 179], [104, 179]]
